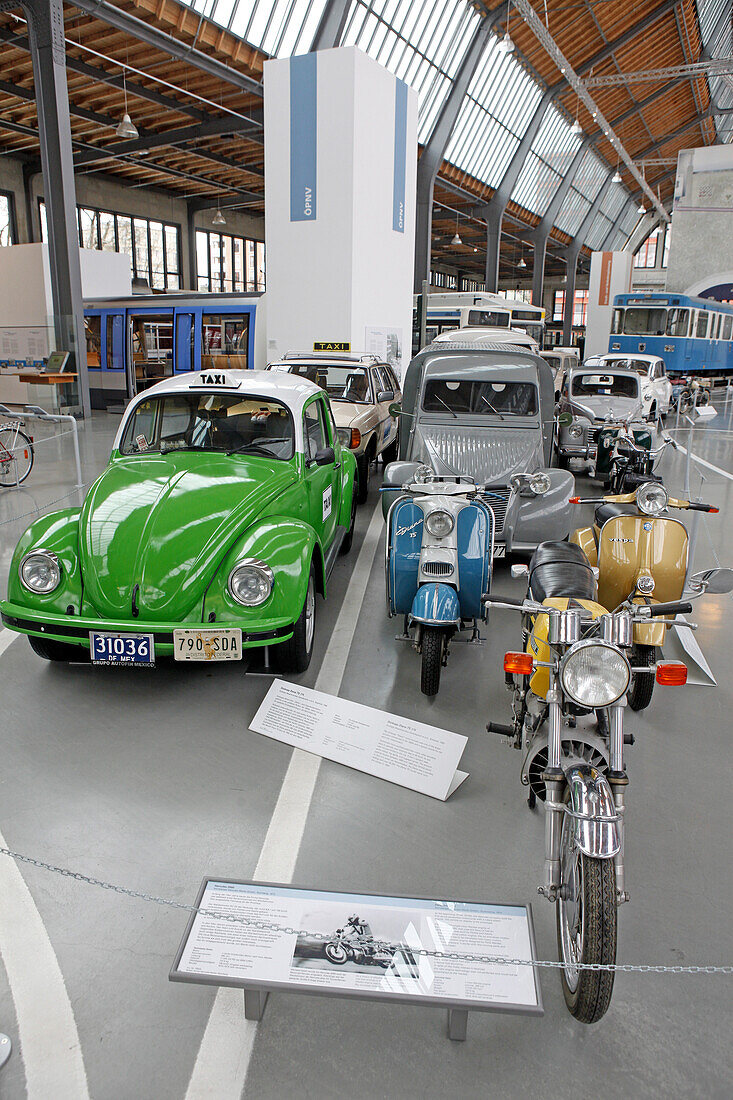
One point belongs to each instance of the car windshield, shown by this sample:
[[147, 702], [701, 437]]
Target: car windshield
[[244, 423], [342, 382], [605, 385], [484, 398]]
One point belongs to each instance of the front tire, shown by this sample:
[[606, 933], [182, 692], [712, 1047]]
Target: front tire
[[433, 641], [51, 650], [349, 537], [587, 919], [640, 691], [294, 656], [336, 953]]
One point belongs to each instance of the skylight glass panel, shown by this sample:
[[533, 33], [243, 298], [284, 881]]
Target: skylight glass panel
[[572, 212]]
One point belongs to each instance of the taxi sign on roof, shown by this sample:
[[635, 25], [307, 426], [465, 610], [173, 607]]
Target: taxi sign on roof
[[219, 378]]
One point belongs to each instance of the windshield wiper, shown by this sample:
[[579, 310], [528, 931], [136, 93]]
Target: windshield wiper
[[494, 411], [445, 406]]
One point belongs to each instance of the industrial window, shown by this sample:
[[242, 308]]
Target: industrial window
[[580, 306], [226, 263], [442, 278], [7, 219], [153, 246], [702, 324], [647, 254]]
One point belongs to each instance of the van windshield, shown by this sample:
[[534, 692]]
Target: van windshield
[[484, 398]]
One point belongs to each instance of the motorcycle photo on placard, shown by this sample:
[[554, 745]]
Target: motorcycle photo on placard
[[353, 947], [589, 647]]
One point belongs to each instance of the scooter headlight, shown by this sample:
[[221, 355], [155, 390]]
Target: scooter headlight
[[250, 583], [575, 431], [439, 523], [652, 498], [540, 483], [594, 674], [40, 572]]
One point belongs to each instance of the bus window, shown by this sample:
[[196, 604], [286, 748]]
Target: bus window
[[488, 317], [727, 326], [224, 341], [617, 325], [677, 322], [645, 322], [93, 327], [702, 324]]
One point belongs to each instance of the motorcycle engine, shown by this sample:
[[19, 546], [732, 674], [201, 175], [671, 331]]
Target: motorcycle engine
[[583, 747]]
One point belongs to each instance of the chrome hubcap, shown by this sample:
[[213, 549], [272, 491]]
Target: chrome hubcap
[[571, 905], [310, 614]]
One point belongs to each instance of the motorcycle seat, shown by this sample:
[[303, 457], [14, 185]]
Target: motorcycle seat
[[560, 569], [607, 510]]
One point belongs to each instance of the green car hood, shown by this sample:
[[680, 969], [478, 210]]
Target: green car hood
[[164, 522]]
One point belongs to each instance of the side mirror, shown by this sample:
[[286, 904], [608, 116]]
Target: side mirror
[[519, 569], [325, 456], [715, 581], [385, 395], [565, 419]]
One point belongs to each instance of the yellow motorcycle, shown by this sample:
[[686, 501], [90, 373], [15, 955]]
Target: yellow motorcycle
[[641, 555]]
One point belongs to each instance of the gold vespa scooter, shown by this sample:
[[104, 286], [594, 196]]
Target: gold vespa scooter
[[641, 554]]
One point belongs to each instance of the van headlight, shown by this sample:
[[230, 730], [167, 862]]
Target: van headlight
[[40, 572], [250, 582], [540, 483], [594, 674], [652, 498], [439, 523]]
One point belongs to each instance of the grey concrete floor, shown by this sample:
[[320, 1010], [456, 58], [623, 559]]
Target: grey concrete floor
[[155, 781]]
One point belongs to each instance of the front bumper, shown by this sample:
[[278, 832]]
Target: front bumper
[[74, 630]]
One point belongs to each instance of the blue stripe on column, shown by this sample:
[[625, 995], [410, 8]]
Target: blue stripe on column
[[400, 156], [303, 159]]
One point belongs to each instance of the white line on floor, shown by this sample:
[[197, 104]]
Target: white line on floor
[[704, 462], [223, 1059], [49, 1040], [7, 637]]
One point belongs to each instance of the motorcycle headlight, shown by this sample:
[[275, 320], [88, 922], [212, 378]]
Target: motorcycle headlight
[[540, 483], [575, 431], [40, 571], [594, 674], [250, 582], [651, 498], [424, 474], [439, 524]]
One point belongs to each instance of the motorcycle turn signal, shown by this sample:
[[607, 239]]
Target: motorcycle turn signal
[[519, 663], [672, 674]]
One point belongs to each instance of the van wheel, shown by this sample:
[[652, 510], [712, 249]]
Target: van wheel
[[389, 454], [295, 655], [57, 651]]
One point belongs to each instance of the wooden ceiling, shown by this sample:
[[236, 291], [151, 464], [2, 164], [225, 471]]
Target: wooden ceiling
[[187, 147]]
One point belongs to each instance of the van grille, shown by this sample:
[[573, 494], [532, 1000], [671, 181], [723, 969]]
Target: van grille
[[497, 499], [437, 568]]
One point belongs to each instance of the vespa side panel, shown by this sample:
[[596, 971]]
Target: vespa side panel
[[537, 641], [630, 546], [474, 536], [405, 540]]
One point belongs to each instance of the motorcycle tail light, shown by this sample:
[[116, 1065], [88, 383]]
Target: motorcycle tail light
[[672, 674], [519, 663]]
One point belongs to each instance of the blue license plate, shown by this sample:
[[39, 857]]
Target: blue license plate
[[121, 649]]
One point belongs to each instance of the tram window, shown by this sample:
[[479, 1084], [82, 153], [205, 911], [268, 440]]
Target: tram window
[[718, 319], [727, 326], [152, 348], [702, 324], [617, 325], [224, 341], [677, 322], [93, 327], [645, 322]]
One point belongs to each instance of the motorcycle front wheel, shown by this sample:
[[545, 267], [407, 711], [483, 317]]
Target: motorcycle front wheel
[[587, 917], [335, 953], [433, 641]]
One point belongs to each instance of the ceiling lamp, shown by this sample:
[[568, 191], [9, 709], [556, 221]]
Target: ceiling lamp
[[456, 236], [617, 177], [521, 262], [576, 128], [642, 208], [505, 44], [218, 218], [126, 127]]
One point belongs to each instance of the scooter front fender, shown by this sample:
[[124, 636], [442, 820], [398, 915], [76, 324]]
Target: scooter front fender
[[436, 605], [596, 824]]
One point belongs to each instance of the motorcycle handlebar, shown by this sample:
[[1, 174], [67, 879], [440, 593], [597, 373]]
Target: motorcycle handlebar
[[506, 601], [676, 607], [698, 506]]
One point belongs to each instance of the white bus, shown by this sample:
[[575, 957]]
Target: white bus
[[470, 310]]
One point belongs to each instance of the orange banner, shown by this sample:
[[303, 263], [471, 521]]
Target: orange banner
[[605, 287]]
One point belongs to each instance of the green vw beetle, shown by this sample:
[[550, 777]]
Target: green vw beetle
[[225, 502]]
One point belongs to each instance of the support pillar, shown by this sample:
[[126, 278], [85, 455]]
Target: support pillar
[[46, 35], [567, 318], [494, 219], [539, 244], [191, 233]]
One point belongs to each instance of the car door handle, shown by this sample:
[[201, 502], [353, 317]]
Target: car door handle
[[337, 465]]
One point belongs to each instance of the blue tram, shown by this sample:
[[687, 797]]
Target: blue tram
[[132, 343], [692, 335]]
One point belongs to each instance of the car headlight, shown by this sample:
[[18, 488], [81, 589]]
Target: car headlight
[[250, 582], [423, 474], [40, 571], [594, 674], [575, 431], [652, 498], [439, 523], [344, 435], [540, 483]]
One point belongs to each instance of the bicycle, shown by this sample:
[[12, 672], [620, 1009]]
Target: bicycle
[[16, 454]]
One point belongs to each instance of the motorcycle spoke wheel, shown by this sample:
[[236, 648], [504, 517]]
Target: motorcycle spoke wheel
[[587, 917], [335, 953]]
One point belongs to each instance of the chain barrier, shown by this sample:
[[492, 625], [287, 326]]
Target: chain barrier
[[47, 504], [35, 441], [267, 926]]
